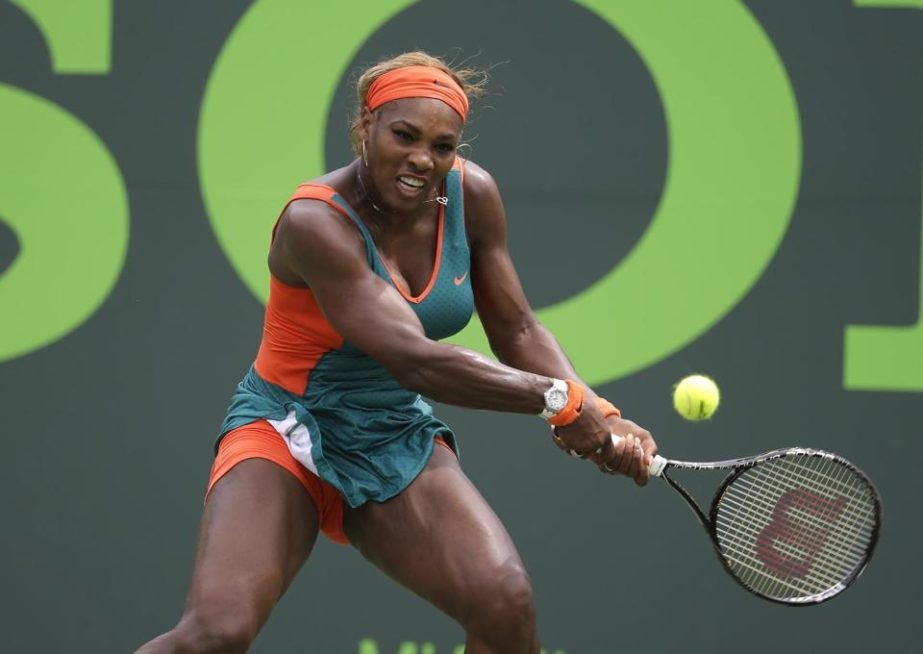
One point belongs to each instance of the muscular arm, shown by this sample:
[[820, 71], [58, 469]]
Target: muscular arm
[[316, 246], [516, 336]]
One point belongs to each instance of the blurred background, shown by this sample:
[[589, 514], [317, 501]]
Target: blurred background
[[730, 188]]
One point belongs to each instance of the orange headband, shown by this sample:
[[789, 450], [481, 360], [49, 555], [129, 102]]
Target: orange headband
[[417, 82]]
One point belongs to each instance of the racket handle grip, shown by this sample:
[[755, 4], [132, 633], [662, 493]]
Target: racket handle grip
[[658, 463]]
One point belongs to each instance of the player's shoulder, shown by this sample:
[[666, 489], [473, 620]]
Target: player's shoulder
[[310, 219], [313, 209], [311, 227], [478, 182], [484, 214]]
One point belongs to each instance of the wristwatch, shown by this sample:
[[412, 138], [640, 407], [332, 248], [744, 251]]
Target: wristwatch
[[555, 399]]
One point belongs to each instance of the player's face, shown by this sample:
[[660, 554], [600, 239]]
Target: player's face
[[410, 149]]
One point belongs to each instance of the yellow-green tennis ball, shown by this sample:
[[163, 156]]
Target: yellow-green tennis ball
[[696, 397]]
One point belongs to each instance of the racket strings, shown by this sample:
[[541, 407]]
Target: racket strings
[[853, 514], [796, 526], [799, 537], [833, 555], [737, 547], [743, 561], [795, 546], [737, 543], [802, 522]]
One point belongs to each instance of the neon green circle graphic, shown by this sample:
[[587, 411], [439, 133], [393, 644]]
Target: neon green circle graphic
[[732, 180], [732, 177], [63, 195], [264, 117]]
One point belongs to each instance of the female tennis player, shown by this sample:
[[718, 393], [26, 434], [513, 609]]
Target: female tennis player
[[370, 265]]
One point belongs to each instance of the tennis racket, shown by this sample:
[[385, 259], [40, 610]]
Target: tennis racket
[[795, 526]]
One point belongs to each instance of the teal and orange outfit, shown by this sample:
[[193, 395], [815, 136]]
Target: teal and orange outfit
[[342, 415]]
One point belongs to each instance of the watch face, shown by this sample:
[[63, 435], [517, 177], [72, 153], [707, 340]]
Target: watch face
[[556, 399]]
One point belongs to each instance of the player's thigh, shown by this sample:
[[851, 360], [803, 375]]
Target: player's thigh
[[441, 539], [258, 528]]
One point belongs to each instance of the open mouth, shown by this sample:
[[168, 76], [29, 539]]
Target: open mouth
[[411, 184]]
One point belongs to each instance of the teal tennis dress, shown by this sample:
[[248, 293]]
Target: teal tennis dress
[[341, 413]]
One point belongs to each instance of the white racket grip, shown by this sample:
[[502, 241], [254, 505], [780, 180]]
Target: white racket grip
[[658, 463]]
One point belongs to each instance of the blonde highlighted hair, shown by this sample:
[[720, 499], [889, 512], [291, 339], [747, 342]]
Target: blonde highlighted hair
[[471, 80]]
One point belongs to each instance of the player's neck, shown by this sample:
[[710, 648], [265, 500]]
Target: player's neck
[[374, 212]]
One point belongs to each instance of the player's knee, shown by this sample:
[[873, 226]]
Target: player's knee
[[507, 608], [216, 629]]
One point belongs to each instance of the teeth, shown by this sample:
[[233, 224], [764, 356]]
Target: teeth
[[410, 181]]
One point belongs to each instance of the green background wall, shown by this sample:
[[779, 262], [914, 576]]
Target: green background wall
[[724, 187]]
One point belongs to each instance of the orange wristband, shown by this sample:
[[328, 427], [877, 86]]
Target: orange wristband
[[606, 408], [571, 410]]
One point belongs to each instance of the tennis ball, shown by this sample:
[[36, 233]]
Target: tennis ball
[[696, 397]]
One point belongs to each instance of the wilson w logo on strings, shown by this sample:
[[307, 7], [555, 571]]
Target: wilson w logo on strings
[[798, 530]]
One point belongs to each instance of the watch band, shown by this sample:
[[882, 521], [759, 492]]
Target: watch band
[[571, 410]]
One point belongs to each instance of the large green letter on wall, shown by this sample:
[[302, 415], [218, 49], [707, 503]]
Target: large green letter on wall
[[887, 358], [62, 194], [881, 358], [78, 33]]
